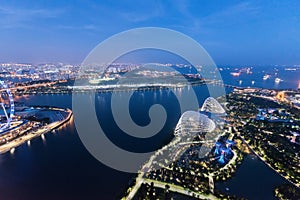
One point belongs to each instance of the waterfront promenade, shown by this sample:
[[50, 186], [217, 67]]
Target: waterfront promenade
[[32, 134]]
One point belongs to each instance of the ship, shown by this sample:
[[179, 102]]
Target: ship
[[277, 80], [235, 73], [266, 77]]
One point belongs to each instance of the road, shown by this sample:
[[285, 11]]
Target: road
[[179, 189]]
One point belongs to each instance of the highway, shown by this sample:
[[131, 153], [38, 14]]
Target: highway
[[31, 86]]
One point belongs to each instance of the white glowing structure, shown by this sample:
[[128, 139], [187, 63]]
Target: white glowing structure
[[192, 123], [213, 106]]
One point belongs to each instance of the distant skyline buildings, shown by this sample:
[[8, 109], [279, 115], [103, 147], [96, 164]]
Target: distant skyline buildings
[[233, 33]]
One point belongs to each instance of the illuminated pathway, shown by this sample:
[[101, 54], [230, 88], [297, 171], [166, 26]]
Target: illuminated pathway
[[179, 189], [24, 138]]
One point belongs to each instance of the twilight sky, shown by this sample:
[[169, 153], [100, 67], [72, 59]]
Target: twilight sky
[[233, 32]]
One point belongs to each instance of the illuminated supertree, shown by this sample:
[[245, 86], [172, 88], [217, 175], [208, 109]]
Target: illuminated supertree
[[222, 156], [217, 148]]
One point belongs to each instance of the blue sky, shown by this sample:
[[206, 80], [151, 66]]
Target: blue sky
[[233, 32]]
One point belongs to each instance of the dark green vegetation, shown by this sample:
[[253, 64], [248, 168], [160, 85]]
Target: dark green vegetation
[[271, 140]]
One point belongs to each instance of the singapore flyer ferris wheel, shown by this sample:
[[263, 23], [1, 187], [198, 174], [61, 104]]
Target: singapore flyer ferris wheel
[[7, 106]]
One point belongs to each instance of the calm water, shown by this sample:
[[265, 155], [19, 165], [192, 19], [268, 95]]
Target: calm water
[[253, 180], [291, 78], [61, 168], [57, 168]]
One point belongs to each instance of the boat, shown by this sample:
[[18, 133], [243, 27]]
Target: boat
[[290, 69], [235, 73], [12, 150], [266, 77], [249, 71], [278, 80], [252, 82]]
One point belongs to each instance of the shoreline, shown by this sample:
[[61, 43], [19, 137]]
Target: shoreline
[[43, 130], [260, 157], [268, 164], [124, 88]]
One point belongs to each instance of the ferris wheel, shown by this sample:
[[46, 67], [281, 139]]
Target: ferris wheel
[[6, 103]]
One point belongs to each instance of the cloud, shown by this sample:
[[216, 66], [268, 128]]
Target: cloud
[[132, 11], [229, 15], [234, 13], [148, 12], [88, 27], [23, 17]]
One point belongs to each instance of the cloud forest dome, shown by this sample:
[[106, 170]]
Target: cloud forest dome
[[213, 106], [192, 123]]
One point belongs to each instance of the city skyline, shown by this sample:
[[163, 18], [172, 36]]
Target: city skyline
[[153, 99], [234, 33]]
